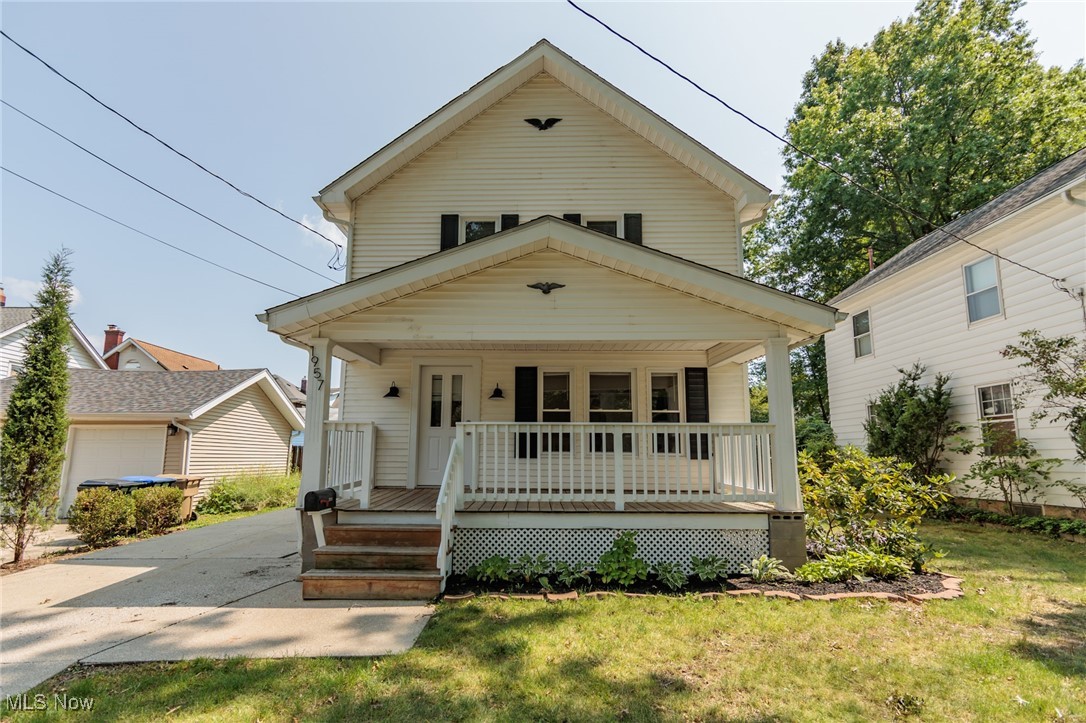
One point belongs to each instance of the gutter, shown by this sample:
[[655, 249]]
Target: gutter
[[188, 445]]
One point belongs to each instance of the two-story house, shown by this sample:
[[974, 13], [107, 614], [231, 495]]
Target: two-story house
[[954, 298], [545, 331]]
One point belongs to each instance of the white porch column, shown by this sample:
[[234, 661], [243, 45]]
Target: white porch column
[[318, 386], [779, 386]]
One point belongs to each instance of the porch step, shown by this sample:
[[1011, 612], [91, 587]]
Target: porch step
[[383, 535], [370, 585], [375, 557]]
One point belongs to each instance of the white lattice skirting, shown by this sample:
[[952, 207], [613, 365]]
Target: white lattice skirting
[[739, 547]]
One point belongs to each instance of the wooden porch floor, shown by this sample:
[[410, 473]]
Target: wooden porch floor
[[424, 499]]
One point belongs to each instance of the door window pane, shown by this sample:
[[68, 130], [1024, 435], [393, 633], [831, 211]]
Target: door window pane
[[456, 399], [435, 400]]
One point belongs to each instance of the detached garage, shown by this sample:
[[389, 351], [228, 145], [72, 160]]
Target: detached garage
[[206, 423]]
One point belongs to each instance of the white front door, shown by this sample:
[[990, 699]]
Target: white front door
[[447, 396]]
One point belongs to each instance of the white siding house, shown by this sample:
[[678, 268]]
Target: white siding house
[[545, 337], [952, 307], [14, 326]]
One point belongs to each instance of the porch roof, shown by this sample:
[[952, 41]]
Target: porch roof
[[770, 312]]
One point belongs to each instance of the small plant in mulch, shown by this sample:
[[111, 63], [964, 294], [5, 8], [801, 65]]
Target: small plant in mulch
[[766, 569]]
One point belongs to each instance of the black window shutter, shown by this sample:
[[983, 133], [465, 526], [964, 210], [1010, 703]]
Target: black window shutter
[[510, 220], [572, 218], [696, 380], [525, 390], [450, 230], [631, 223]]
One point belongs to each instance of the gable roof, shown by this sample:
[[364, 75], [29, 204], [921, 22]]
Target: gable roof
[[168, 359], [298, 318], [154, 395], [1051, 180], [543, 57], [16, 318]]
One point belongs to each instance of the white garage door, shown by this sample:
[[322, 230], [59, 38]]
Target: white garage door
[[112, 452]]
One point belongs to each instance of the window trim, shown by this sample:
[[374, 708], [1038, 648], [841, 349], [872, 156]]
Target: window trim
[[620, 229], [998, 287], [462, 231], [1011, 416], [870, 334], [680, 377]]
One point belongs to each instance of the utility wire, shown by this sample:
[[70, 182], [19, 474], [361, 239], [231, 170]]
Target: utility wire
[[333, 264], [163, 193], [1056, 282], [143, 233]]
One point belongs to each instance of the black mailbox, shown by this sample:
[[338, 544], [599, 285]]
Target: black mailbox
[[319, 500]]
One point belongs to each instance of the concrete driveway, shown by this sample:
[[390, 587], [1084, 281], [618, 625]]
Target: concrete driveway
[[218, 591]]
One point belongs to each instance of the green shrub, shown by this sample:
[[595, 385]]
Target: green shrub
[[528, 569], [709, 568], [223, 499], [854, 565], [858, 502], [815, 436], [573, 575], [157, 508], [1054, 526], [766, 569], [493, 569], [1009, 465], [670, 574], [621, 564], [99, 517]]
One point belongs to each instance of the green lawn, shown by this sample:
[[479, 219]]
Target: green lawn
[[1019, 632]]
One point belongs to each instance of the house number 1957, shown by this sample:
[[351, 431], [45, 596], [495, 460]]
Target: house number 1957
[[318, 377]]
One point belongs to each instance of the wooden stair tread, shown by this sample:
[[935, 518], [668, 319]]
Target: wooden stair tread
[[378, 574], [375, 550], [384, 528]]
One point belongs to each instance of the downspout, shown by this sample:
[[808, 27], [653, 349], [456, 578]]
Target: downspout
[[188, 446]]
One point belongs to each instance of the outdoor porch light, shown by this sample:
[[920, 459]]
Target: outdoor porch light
[[171, 430], [497, 393], [393, 392]]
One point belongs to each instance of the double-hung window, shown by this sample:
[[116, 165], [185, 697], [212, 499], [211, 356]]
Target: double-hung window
[[607, 226], [982, 289], [997, 416], [861, 334], [555, 408], [664, 406], [610, 400]]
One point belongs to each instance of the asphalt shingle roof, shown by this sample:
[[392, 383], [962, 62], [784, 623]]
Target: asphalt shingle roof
[[104, 391], [1050, 179], [13, 316], [176, 361]]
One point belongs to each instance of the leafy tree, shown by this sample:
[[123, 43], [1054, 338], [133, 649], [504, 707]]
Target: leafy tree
[[939, 113], [1009, 465], [1058, 368], [912, 422], [36, 429]]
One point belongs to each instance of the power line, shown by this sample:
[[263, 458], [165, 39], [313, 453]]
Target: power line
[[333, 264], [144, 233], [163, 193], [1056, 282]]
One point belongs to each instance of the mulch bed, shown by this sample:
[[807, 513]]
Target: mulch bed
[[915, 585]]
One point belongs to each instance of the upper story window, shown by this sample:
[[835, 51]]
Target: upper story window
[[607, 226], [996, 405], [861, 334], [475, 229], [982, 289], [132, 364]]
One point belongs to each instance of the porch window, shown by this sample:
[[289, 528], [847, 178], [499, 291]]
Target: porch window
[[997, 415], [664, 404], [861, 334], [475, 229], [610, 401], [555, 408], [982, 289]]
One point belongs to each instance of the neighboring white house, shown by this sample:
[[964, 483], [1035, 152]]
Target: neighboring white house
[[203, 423], [545, 333], [14, 325], [952, 307]]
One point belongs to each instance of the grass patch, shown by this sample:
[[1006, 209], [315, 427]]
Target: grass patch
[[1018, 634], [251, 492]]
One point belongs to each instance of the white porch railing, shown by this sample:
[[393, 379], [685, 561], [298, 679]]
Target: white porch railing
[[448, 499], [350, 459], [639, 462]]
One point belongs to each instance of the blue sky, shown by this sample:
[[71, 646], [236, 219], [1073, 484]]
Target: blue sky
[[281, 98]]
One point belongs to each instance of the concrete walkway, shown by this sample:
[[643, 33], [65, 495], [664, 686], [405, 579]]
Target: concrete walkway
[[223, 590]]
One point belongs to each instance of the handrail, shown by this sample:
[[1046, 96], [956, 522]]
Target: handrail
[[351, 457], [452, 484]]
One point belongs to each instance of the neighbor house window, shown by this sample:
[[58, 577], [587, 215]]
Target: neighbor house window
[[555, 408], [664, 406], [132, 364], [997, 415], [982, 289], [475, 229], [861, 334], [607, 226], [610, 400]]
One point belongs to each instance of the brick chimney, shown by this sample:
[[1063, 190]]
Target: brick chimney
[[3, 298], [114, 336]]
